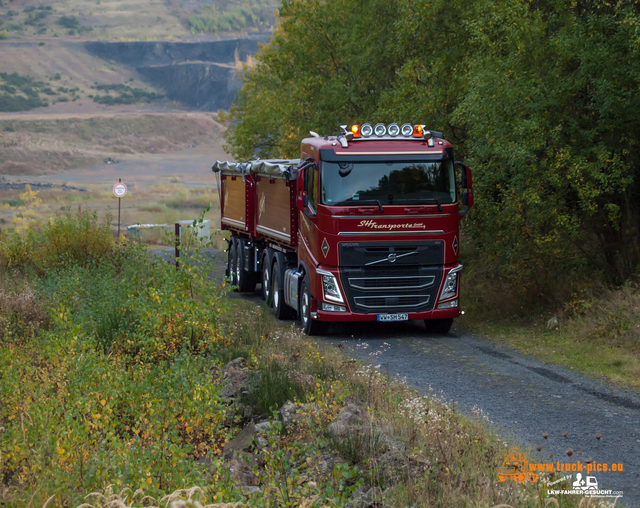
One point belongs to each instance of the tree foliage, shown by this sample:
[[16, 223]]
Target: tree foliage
[[539, 96]]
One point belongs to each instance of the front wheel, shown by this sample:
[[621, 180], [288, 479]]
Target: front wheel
[[440, 326], [310, 326]]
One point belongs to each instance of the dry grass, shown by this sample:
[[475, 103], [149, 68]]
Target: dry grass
[[145, 204], [76, 67], [111, 20], [44, 146], [596, 333], [20, 312]]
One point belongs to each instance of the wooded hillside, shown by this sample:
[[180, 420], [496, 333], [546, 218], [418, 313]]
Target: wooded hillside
[[539, 97]]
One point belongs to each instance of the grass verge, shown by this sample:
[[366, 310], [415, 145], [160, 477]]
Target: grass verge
[[594, 331]]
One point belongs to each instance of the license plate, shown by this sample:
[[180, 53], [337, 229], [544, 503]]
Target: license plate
[[393, 317]]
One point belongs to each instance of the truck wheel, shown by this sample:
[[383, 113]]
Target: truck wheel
[[246, 280], [310, 326], [233, 263], [227, 271], [440, 326], [266, 277], [280, 309]]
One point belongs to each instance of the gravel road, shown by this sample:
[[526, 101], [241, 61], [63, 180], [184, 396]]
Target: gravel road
[[521, 396]]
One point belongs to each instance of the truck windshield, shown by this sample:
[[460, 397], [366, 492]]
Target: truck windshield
[[387, 182]]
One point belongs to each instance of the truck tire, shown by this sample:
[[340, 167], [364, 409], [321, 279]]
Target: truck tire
[[246, 280], [280, 309], [310, 326], [227, 271], [439, 326], [267, 262], [233, 263]]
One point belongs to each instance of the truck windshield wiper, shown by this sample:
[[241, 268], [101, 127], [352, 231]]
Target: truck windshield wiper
[[373, 201], [432, 200]]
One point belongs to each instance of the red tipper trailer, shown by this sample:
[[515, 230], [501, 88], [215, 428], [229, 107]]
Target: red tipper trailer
[[363, 227]]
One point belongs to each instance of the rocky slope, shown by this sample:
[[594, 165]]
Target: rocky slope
[[202, 75]]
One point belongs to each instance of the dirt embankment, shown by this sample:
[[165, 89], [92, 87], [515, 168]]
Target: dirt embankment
[[37, 144]]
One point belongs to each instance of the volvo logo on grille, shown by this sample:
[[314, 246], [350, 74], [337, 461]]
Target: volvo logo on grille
[[392, 258]]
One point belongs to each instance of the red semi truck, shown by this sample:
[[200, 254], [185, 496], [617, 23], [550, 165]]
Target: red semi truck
[[363, 227]]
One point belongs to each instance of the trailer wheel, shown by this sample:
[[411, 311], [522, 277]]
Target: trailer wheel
[[266, 277], [440, 326], [310, 326], [233, 262], [280, 309], [227, 271], [246, 280]]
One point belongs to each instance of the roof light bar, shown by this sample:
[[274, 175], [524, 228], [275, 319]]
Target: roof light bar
[[392, 130]]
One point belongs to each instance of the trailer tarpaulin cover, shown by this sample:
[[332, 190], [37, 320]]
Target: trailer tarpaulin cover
[[275, 167]]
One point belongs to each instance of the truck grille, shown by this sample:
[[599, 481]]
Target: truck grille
[[380, 278], [385, 302], [392, 282]]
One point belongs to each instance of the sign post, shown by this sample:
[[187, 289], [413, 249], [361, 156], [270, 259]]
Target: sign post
[[120, 191]]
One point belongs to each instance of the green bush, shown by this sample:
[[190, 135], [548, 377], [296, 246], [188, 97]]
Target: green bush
[[76, 238], [127, 95], [10, 103], [3, 34], [110, 351], [251, 14], [68, 22]]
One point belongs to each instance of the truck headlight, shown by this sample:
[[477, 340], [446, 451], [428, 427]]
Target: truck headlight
[[450, 287], [330, 286]]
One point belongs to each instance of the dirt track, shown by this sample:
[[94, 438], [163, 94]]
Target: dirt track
[[126, 111]]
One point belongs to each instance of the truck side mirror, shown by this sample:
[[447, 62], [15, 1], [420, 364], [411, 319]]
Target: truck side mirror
[[305, 184], [466, 183]]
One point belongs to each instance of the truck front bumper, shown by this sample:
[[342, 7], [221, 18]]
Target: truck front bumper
[[340, 317]]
